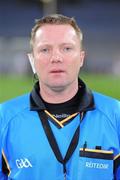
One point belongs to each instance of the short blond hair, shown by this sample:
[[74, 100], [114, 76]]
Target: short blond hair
[[57, 19]]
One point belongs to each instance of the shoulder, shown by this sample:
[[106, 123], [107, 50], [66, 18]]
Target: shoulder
[[18, 103], [11, 108], [102, 101], [107, 105], [109, 108]]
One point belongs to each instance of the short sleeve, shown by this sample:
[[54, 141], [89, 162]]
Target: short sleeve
[[2, 175]]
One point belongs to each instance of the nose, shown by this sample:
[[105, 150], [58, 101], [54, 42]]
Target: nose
[[56, 56]]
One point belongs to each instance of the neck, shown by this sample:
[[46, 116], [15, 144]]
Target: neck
[[58, 95]]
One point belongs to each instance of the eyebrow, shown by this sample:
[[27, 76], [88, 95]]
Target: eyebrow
[[49, 44]]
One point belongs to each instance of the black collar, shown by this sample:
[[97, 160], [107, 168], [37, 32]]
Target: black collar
[[86, 100]]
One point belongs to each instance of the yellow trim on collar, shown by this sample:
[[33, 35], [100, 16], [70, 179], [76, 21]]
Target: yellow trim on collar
[[60, 124], [68, 118]]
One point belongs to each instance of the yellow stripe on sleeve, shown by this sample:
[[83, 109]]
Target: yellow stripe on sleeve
[[6, 161]]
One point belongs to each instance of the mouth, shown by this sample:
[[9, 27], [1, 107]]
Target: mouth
[[57, 71]]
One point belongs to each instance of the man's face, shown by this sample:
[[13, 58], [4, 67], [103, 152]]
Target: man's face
[[57, 55]]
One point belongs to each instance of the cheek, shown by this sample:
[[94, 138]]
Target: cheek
[[39, 66], [74, 69], [40, 61], [75, 63]]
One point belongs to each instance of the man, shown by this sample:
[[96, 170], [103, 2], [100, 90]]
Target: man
[[61, 130]]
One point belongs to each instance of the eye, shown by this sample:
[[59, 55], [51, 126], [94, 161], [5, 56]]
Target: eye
[[44, 50], [67, 49]]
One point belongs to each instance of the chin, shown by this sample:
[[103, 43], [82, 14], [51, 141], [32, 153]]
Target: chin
[[58, 88], [57, 85], [58, 82]]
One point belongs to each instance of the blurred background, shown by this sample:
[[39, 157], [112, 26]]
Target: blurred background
[[100, 23]]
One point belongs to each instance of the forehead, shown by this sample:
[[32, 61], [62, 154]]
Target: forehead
[[50, 32]]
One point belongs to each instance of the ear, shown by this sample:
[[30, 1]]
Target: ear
[[82, 57], [31, 59]]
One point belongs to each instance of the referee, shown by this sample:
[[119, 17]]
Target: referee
[[61, 130]]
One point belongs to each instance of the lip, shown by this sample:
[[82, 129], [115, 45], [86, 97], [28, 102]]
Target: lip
[[55, 71]]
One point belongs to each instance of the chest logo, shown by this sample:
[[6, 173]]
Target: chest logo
[[23, 163]]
